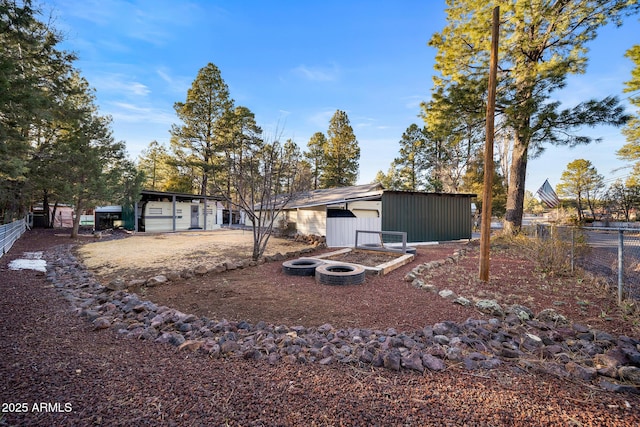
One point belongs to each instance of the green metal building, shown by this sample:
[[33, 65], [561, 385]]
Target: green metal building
[[427, 217]]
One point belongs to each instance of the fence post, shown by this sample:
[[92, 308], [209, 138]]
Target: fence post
[[620, 264], [573, 244]]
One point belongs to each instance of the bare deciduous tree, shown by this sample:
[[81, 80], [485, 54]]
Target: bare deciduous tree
[[257, 171]]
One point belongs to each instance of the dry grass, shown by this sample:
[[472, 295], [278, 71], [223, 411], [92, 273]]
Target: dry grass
[[176, 250]]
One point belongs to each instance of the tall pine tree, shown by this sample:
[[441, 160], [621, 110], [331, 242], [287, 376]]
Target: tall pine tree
[[315, 155], [33, 76], [413, 164], [541, 43], [96, 168], [204, 117], [342, 153], [631, 150]]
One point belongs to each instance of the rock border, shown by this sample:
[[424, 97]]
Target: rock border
[[119, 284], [543, 343]]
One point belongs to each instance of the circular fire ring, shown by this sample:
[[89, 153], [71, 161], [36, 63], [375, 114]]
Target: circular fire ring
[[300, 267], [340, 274]]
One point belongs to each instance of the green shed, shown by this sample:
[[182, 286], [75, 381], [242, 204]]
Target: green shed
[[427, 217]]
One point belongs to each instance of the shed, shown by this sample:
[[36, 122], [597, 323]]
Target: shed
[[106, 217], [61, 216], [428, 217], [337, 212], [159, 211]]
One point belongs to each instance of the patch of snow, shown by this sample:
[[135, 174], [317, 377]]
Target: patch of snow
[[31, 261]]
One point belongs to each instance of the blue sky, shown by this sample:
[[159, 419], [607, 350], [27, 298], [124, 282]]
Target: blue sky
[[294, 63]]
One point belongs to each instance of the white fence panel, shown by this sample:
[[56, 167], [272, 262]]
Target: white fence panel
[[341, 232], [11, 232]]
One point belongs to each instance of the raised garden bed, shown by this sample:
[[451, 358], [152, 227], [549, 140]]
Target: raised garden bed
[[374, 262]]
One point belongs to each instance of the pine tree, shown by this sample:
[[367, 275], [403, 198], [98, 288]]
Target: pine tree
[[541, 42], [413, 163], [33, 76], [291, 157], [455, 124], [631, 150], [315, 155], [154, 162], [581, 181], [242, 136], [342, 153], [204, 117], [304, 177], [389, 180], [96, 168]]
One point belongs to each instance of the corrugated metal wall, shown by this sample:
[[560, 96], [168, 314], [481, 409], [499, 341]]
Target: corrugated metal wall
[[427, 217]]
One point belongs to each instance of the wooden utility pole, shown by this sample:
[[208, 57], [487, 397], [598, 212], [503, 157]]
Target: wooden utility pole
[[485, 225]]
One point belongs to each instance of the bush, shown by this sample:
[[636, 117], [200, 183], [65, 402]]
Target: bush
[[549, 247]]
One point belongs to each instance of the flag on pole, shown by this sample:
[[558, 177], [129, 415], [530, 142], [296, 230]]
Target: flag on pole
[[547, 195]]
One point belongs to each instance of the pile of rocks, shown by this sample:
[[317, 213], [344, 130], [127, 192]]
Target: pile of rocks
[[313, 240], [417, 272], [544, 342]]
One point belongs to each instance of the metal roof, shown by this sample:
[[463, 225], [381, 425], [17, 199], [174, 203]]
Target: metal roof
[[329, 196], [431, 193], [147, 194]]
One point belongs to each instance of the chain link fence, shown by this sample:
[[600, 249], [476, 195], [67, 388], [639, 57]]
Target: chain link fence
[[611, 253], [11, 232]]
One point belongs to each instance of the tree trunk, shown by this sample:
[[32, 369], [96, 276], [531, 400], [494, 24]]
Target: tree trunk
[[76, 220], [45, 210], [205, 182], [52, 223], [592, 208], [579, 207], [515, 194]]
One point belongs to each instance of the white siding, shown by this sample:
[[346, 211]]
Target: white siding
[[219, 209], [283, 215], [341, 232], [212, 216], [312, 220], [158, 216]]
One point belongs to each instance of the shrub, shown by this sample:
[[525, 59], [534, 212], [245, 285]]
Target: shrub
[[550, 248]]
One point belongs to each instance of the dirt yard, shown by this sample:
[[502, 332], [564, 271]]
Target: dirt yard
[[265, 293], [154, 253], [50, 354]]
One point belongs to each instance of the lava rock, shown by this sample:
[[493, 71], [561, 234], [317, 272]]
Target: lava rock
[[433, 363], [490, 307], [549, 315]]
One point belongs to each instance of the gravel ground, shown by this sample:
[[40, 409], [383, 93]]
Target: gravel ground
[[57, 370]]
